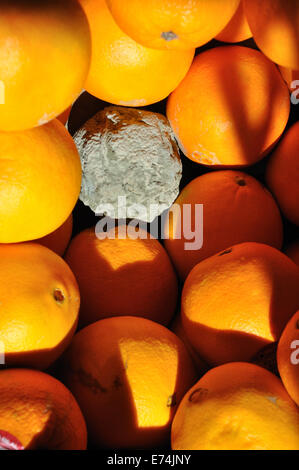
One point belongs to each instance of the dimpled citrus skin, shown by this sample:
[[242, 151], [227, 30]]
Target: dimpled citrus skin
[[231, 107], [40, 411], [282, 174], [292, 252], [44, 60], [125, 73], [238, 301], [275, 28], [128, 375], [40, 180], [39, 305], [122, 276], [236, 209], [237, 29], [288, 357], [176, 24], [236, 406], [58, 240]]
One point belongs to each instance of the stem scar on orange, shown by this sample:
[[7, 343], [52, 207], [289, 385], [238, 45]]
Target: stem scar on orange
[[172, 25], [236, 208], [236, 406], [39, 305], [124, 72]]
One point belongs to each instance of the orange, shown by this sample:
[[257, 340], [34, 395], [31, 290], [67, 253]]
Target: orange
[[179, 24], [128, 375], [283, 174], [39, 305], [44, 60], [40, 180], [288, 357], [275, 28], [122, 276], [237, 29], [63, 117], [38, 412], [292, 252], [238, 301], [291, 76], [236, 406], [236, 208], [58, 240], [231, 107], [125, 73], [177, 327]]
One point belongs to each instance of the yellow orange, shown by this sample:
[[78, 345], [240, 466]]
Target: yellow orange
[[63, 117], [238, 301], [179, 24], [58, 240], [44, 60], [237, 29], [236, 406], [275, 28], [40, 180], [123, 72], [128, 375], [37, 412], [39, 305], [230, 109]]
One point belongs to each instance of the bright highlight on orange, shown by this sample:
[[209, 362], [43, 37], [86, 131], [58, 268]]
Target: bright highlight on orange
[[124, 72], [44, 60], [175, 24], [128, 375]]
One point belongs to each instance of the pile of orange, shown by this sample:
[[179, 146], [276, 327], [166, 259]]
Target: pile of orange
[[124, 336]]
